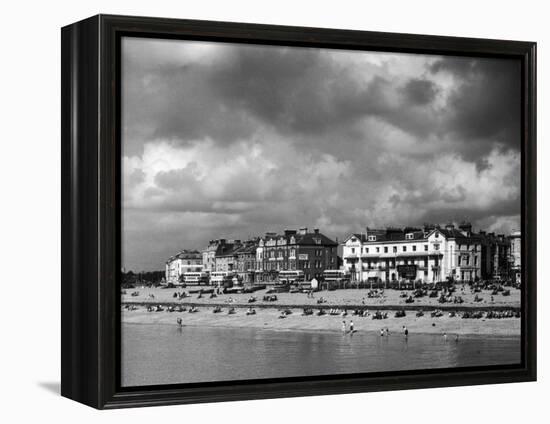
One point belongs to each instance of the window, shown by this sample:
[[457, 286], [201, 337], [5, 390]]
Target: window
[[414, 248], [425, 248], [353, 250], [475, 260], [409, 236], [372, 238], [367, 250], [385, 249], [404, 248], [394, 249], [377, 250], [436, 246]]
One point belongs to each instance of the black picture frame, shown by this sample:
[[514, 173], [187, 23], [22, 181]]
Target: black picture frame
[[91, 218]]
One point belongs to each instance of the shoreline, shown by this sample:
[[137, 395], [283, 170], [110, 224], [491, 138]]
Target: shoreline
[[326, 331]]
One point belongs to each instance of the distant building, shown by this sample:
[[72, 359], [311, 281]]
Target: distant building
[[179, 264], [515, 255], [245, 261], [429, 254], [215, 248], [495, 256], [309, 252], [225, 257]]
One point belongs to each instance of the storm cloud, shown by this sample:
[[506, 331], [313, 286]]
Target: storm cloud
[[233, 140]]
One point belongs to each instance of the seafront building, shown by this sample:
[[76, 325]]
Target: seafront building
[[245, 261], [184, 262], [214, 250], [515, 255], [429, 254], [225, 259], [306, 255]]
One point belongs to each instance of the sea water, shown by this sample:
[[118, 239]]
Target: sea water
[[166, 354]]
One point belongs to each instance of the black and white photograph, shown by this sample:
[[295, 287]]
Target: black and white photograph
[[301, 212]]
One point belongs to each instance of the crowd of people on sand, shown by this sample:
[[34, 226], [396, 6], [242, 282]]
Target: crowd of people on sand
[[376, 315]]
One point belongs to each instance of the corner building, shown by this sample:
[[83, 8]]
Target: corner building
[[309, 252], [428, 254]]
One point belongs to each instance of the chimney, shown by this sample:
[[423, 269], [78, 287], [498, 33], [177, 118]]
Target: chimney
[[302, 231], [450, 226], [466, 228], [290, 232], [316, 230]]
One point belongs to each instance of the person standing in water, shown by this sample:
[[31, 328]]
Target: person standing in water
[[343, 326], [351, 326], [405, 331]]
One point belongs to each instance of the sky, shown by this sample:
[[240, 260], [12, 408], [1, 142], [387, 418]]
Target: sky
[[225, 140]]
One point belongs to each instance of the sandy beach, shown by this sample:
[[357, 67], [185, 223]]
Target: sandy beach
[[268, 317], [343, 298]]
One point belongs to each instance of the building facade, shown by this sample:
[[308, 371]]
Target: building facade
[[184, 261], [310, 252], [215, 249], [495, 256], [428, 254], [245, 262], [515, 256]]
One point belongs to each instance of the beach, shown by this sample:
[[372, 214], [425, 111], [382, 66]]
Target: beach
[[267, 314]]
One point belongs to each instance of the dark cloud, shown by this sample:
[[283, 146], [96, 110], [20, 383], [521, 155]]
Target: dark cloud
[[484, 107], [420, 91]]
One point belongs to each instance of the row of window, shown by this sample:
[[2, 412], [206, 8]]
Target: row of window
[[292, 253], [394, 249]]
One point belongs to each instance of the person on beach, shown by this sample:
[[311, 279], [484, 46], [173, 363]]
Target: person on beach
[[405, 331], [351, 326], [180, 322], [381, 332], [387, 331], [344, 326], [445, 336]]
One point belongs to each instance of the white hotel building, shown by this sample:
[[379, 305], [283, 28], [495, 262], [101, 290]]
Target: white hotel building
[[184, 261], [430, 254]]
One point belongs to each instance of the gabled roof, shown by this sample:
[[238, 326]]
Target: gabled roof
[[303, 239], [361, 237]]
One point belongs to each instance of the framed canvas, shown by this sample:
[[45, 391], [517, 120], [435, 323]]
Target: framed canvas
[[254, 211]]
